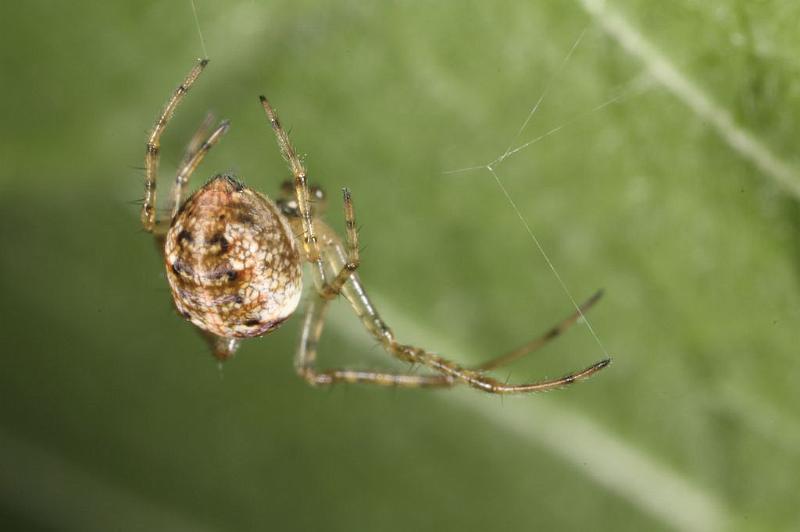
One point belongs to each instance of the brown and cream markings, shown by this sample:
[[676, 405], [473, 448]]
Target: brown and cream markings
[[232, 261]]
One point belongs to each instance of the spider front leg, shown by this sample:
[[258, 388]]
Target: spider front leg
[[303, 196], [148, 215], [305, 361], [310, 244]]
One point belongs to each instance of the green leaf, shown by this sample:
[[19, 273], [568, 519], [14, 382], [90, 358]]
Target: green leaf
[[660, 165]]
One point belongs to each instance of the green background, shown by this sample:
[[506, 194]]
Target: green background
[[114, 417]]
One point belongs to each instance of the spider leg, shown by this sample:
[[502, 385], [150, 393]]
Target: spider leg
[[477, 379], [148, 215], [355, 293], [192, 160], [310, 244], [305, 361], [333, 288], [199, 136], [551, 334]]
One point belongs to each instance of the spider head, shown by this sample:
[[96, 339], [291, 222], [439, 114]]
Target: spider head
[[232, 262]]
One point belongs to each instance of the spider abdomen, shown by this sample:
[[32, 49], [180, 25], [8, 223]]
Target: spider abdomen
[[232, 261]]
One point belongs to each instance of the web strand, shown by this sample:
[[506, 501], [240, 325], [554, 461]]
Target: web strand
[[535, 240], [199, 33], [544, 93], [636, 85], [629, 89]]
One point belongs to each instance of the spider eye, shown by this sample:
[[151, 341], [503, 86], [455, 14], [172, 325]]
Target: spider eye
[[317, 193], [288, 207]]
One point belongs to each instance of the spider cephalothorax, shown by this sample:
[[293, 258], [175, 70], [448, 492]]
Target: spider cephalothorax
[[233, 262]]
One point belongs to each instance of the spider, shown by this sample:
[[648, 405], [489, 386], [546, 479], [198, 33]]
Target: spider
[[233, 262]]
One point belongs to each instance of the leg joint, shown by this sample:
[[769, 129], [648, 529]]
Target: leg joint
[[313, 378]]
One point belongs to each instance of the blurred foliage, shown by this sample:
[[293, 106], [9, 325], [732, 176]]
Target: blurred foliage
[[113, 416]]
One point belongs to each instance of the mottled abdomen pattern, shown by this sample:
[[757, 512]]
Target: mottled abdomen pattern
[[232, 262]]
